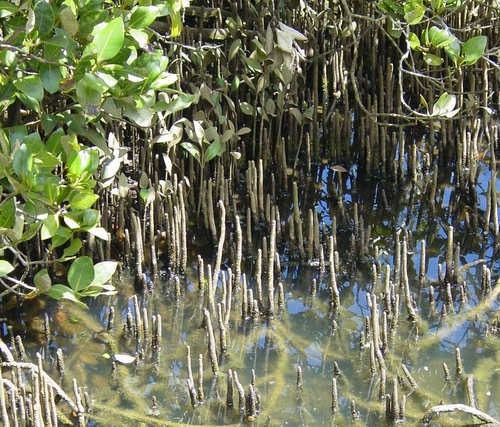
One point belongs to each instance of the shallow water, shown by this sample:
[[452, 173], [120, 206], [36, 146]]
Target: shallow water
[[151, 389]]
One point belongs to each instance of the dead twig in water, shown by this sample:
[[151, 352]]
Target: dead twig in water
[[440, 409]]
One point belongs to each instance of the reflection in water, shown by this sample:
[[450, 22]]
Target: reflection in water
[[134, 381]]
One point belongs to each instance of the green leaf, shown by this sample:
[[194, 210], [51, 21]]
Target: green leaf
[[109, 171], [61, 237], [393, 29], [83, 201], [178, 104], [31, 86], [7, 8], [99, 232], [123, 186], [8, 213], [90, 218], [191, 149], [140, 116], [424, 103], [444, 107], [439, 38], [5, 268], [235, 84], [51, 189], [72, 249], [63, 292], [432, 59], [89, 20], [83, 163], [51, 77], [415, 15], [164, 81], [103, 272], [44, 18], [270, 107], [42, 281], [50, 226], [234, 49], [473, 49], [73, 220], [247, 109], [453, 51], [48, 122], [88, 97], [109, 40], [143, 16], [414, 41], [81, 273], [175, 17], [212, 151], [243, 131], [69, 21]]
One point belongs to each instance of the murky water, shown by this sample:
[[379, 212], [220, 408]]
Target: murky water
[[148, 386]]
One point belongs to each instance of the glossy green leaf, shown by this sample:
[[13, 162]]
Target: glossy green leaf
[[90, 218], [88, 97], [50, 226], [414, 41], [175, 17], [415, 14], [109, 40], [63, 292], [73, 220], [180, 103], [30, 86], [81, 273], [109, 171], [51, 78], [247, 109], [44, 18], [439, 38], [83, 163], [140, 116], [72, 249], [393, 29], [99, 232], [61, 237], [83, 201], [445, 106], [212, 151], [432, 59], [104, 272], [5, 268], [7, 8], [143, 16], [8, 213], [235, 84], [473, 49], [234, 49], [191, 149], [51, 189], [89, 20], [453, 51]]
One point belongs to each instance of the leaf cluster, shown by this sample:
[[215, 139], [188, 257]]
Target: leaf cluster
[[425, 26], [69, 70]]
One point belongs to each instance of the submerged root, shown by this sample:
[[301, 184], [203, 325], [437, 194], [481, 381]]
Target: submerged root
[[441, 409]]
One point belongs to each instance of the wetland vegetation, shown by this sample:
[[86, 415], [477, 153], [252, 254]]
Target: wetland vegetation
[[249, 213]]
